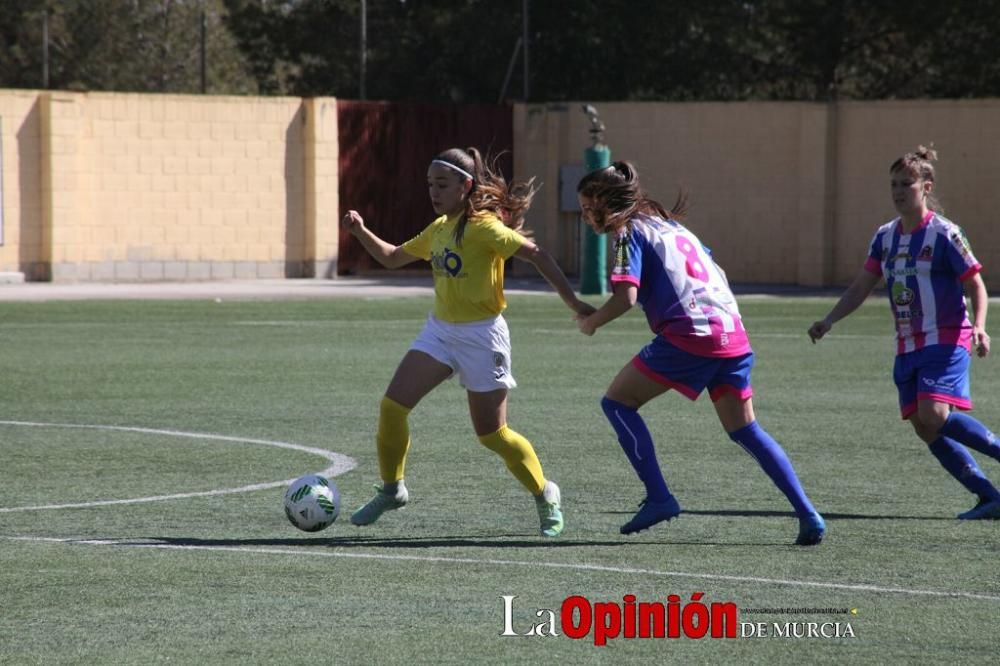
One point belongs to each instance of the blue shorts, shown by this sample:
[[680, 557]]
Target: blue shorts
[[938, 372], [690, 375]]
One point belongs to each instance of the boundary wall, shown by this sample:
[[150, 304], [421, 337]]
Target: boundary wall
[[135, 187], [782, 192], [120, 187]]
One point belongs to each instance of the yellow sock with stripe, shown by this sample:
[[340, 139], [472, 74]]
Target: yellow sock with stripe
[[519, 456], [393, 439]]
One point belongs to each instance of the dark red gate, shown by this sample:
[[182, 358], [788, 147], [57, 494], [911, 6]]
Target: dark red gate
[[384, 152]]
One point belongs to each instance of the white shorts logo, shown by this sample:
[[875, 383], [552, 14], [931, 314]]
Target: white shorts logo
[[500, 362]]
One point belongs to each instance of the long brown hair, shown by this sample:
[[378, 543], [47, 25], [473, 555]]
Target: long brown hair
[[919, 164], [491, 193], [617, 196]]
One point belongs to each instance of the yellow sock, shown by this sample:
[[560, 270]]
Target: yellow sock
[[519, 456], [393, 439]]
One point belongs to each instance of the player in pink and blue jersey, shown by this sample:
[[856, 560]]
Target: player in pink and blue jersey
[[929, 268], [700, 341]]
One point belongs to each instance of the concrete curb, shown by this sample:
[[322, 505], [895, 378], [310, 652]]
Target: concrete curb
[[285, 289]]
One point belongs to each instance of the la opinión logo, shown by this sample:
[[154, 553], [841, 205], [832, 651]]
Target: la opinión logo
[[578, 618]]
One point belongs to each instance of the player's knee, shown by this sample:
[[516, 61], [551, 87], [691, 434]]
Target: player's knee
[[741, 431], [931, 411], [390, 410], [496, 436], [609, 406], [503, 441], [927, 433]]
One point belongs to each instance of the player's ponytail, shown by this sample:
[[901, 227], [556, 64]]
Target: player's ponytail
[[617, 196], [490, 192]]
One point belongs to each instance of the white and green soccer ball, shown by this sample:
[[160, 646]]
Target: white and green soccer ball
[[312, 503]]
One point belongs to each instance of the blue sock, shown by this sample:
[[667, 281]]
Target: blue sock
[[772, 459], [635, 440], [963, 467], [966, 430]]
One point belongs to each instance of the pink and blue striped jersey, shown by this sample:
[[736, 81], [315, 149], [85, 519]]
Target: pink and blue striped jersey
[[924, 271], [683, 292]]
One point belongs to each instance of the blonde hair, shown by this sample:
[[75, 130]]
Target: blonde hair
[[919, 164], [491, 193]]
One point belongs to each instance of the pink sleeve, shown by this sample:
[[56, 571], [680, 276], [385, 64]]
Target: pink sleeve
[[969, 273]]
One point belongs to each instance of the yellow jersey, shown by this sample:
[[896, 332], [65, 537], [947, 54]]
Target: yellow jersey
[[468, 279]]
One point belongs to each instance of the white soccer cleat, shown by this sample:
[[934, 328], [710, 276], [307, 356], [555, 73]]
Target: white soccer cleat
[[549, 510], [379, 504]]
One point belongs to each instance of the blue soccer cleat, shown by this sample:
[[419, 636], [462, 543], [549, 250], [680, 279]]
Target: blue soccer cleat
[[986, 509], [812, 529], [650, 513]]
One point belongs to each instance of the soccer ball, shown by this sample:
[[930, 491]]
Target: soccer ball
[[312, 503]]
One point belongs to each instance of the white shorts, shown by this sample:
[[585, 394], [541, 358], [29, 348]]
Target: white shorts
[[479, 351]]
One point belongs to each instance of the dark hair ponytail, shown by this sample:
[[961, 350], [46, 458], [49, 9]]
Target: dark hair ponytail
[[490, 191], [617, 196]]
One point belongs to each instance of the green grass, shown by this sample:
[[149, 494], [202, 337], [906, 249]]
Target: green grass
[[225, 579]]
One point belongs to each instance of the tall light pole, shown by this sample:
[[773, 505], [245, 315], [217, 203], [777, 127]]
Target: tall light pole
[[364, 46], [525, 5], [45, 47], [202, 51]]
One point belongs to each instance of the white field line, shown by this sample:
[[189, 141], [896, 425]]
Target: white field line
[[532, 564], [250, 322], [572, 330], [341, 464], [330, 322]]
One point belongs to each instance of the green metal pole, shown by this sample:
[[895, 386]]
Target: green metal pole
[[594, 264]]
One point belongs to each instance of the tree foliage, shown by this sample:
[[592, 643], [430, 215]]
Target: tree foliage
[[467, 50], [460, 50], [127, 45]]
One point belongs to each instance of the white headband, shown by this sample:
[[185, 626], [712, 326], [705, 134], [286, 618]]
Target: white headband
[[452, 166]]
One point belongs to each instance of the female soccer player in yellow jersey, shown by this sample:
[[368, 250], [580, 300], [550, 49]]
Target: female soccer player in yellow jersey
[[480, 215]]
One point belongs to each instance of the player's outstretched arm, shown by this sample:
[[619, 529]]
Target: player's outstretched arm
[[549, 269], [387, 254], [623, 297], [851, 299]]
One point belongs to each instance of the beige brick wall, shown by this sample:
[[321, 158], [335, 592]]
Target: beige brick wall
[[740, 164], [786, 193], [106, 186], [872, 135], [322, 153], [172, 187], [23, 240]]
